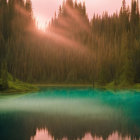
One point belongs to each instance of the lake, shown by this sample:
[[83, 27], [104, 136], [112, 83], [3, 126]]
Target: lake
[[71, 114]]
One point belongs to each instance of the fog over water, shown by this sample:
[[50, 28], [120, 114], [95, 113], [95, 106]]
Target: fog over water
[[71, 113]]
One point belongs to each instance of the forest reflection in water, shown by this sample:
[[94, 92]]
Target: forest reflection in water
[[71, 114], [43, 134]]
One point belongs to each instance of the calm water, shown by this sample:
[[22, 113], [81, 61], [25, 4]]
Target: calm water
[[71, 114]]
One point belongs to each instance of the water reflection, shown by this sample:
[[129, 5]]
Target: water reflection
[[71, 114], [43, 134]]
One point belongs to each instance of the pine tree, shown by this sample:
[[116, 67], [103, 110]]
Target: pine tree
[[134, 19], [60, 11], [28, 6], [4, 76], [124, 16], [69, 3]]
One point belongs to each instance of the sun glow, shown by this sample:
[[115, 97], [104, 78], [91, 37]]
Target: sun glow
[[41, 23], [45, 9], [43, 13]]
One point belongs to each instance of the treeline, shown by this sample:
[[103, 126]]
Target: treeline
[[116, 40], [15, 25], [73, 49], [113, 40]]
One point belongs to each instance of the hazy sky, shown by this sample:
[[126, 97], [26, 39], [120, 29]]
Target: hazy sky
[[45, 9]]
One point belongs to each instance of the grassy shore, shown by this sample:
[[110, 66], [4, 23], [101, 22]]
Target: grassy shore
[[62, 85], [112, 86], [17, 86]]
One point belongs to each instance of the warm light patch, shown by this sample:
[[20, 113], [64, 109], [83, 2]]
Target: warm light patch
[[45, 9], [43, 134], [41, 23]]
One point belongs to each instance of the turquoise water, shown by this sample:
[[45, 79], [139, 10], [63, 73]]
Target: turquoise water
[[71, 113]]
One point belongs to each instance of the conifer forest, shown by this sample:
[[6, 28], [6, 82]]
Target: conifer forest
[[73, 49]]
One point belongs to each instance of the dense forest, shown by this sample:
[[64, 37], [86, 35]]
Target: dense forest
[[73, 49]]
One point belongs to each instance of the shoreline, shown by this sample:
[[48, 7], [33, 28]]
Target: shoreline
[[62, 85], [97, 86], [37, 87]]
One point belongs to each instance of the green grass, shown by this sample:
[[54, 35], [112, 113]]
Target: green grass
[[17, 86], [121, 86], [109, 86]]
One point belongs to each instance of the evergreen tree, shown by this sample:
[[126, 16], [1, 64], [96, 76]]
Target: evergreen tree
[[28, 6], [4, 76]]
